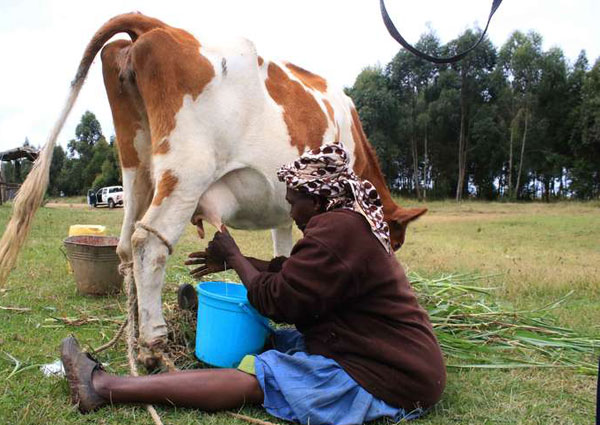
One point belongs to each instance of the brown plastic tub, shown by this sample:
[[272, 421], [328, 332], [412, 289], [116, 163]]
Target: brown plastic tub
[[95, 264]]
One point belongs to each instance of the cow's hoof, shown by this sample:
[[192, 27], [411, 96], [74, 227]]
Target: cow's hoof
[[153, 356], [149, 360]]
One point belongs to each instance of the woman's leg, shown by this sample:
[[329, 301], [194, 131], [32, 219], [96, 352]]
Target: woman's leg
[[206, 389]]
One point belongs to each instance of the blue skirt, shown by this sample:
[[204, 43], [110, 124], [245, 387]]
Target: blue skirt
[[312, 389]]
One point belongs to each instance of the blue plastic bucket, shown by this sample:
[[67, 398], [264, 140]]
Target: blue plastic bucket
[[228, 328]]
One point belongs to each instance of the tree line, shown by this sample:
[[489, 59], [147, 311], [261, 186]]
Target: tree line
[[516, 122], [90, 161]]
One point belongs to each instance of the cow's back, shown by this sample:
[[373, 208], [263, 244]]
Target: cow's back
[[266, 113]]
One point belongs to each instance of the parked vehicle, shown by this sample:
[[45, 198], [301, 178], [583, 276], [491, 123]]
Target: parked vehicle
[[111, 196]]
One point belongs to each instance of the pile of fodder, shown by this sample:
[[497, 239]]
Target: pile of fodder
[[475, 331], [182, 336]]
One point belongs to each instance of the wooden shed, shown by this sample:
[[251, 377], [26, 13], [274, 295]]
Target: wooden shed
[[8, 190]]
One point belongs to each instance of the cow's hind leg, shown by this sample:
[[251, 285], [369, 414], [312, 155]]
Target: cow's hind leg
[[133, 138], [282, 240]]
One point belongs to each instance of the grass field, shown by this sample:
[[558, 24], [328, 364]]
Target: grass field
[[538, 253]]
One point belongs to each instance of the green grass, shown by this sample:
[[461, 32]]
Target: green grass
[[538, 252]]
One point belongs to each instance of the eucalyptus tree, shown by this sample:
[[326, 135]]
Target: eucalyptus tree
[[550, 140], [520, 58], [500, 90], [575, 82], [473, 75], [410, 76]]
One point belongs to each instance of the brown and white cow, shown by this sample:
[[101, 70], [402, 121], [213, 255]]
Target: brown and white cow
[[201, 130]]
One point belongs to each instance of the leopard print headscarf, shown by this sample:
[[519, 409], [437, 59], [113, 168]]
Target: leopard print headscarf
[[325, 171]]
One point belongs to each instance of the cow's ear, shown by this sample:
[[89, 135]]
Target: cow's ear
[[406, 215], [398, 223]]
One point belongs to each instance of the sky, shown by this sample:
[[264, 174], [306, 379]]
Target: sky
[[41, 42]]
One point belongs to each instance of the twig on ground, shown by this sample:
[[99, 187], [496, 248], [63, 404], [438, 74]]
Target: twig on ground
[[78, 321], [18, 309], [18, 369], [15, 361], [250, 419], [114, 339]]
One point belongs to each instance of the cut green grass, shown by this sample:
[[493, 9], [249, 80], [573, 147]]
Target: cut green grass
[[477, 333]]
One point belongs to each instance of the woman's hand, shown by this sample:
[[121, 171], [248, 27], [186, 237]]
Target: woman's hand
[[214, 259], [207, 264], [223, 246]]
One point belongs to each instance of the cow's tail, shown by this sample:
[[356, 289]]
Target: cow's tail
[[31, 194]]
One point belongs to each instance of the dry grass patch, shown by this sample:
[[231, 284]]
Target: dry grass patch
[[537, 248]]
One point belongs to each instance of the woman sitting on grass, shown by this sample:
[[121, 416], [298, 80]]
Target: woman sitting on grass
[[363, 348]]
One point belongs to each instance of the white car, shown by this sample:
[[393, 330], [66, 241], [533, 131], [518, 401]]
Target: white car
[[111, 196]]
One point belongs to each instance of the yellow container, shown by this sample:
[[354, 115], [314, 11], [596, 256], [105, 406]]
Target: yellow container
[[85, 230]]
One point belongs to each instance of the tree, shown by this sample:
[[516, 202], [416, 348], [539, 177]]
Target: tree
[[473, 73], [443, 130], [586, 170], [70, 178], [87, 133], [520, 59], [90, 162], [58, 162], [549, 141], [109, 171], [87, 152], [377, 109], [409, 77]]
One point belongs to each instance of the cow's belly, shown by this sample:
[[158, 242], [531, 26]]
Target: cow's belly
[[245, 199]]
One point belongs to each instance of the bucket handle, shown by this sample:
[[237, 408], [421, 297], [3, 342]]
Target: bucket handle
[[256, 317]]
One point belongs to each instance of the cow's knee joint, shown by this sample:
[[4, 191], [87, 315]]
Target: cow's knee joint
[[124, 251], [139, 238], [160, 260]]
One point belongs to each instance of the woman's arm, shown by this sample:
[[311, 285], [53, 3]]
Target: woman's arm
[[243, 267], [260, 265]]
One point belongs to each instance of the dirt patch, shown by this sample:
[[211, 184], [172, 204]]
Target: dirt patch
[[65, 205], [69, 205]]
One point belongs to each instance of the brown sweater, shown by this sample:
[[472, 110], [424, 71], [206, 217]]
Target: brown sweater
[[353, 303]]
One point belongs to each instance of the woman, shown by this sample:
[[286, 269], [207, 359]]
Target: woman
[[363, 348]]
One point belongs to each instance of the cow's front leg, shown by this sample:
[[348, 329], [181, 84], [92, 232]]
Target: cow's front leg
[[282, 240]]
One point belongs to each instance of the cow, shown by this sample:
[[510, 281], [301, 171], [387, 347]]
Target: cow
[[201, 131]]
